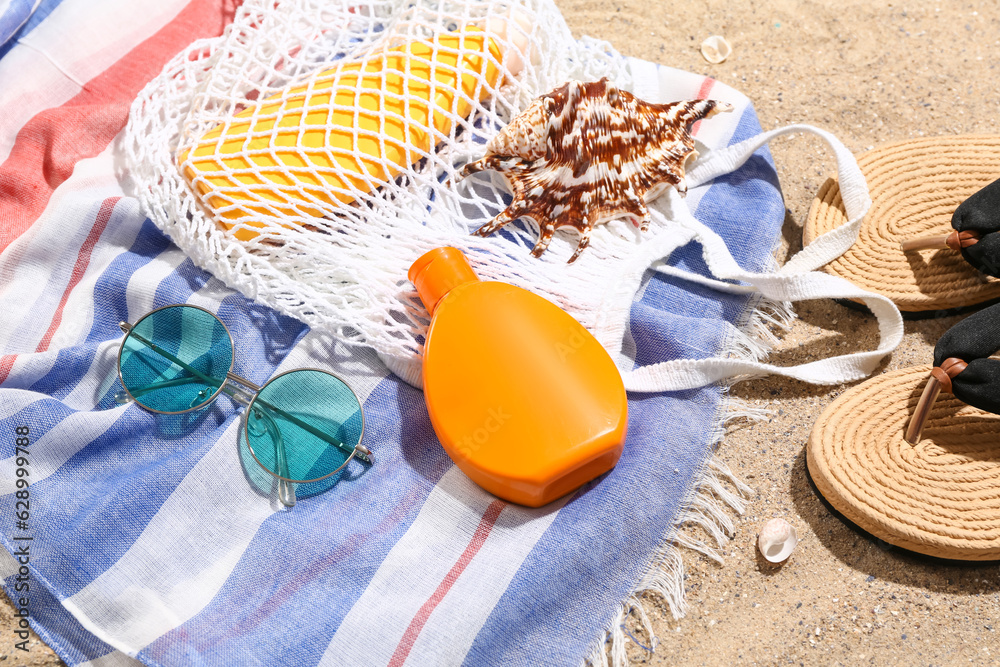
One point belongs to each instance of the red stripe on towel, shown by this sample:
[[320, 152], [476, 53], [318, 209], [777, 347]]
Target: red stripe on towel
[[706, 88], [6, 363], [79, 269], [420, 619], [703, 92], [82, 260], [49, 145]]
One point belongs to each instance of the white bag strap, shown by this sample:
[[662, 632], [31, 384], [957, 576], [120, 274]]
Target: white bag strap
[[797, 280], [853, 192]]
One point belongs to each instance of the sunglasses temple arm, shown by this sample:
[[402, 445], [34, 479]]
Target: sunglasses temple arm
[[212, 382], [286, 490], [361, 452], [176, 382]]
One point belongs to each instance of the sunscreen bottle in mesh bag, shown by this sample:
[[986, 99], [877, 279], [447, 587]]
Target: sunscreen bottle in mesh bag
[[523, 398], [347, 131]]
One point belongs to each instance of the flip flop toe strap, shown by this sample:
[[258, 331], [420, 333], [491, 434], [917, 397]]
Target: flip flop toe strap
[[974, 340], [977, 222], [957, 241], [963, 367], [944, 373]]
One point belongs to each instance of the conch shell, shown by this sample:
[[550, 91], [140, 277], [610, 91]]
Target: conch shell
[[587, 153]]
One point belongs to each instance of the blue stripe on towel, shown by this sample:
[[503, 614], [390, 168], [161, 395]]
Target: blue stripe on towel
[[20, 17]]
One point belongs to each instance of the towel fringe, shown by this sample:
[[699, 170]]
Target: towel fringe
[[716, 496], [754, 338]]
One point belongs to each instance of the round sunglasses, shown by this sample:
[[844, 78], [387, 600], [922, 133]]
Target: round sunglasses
[[302, 426]]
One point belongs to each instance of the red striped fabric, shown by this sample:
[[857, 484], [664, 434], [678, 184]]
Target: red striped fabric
[[6, 364], [79, 269], [706, 88], [82, 260], [420, 619], [48, 147]]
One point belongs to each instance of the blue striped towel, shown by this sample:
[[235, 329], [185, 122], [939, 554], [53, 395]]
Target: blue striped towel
[[147, 536]]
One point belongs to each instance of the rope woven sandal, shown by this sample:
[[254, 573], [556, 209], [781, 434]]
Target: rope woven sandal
[[916, 187], [915, 470]]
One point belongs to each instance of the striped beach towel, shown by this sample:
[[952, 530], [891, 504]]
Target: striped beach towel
[[133, 537]]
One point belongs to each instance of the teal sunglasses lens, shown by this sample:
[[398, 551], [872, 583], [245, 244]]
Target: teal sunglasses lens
[[175, 359], [303, 425]]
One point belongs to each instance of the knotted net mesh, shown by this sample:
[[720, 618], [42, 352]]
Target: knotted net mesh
[[311, 153]]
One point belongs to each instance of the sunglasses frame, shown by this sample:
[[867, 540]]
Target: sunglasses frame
[[127, 330], [362, 452], [246, 394]]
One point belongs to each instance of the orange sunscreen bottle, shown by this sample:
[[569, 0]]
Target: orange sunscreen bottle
[[352, 129], [524, 400]]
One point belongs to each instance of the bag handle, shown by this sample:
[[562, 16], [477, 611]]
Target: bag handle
[[797, 280]]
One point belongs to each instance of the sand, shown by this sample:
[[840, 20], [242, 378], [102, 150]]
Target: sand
[[871, 72]]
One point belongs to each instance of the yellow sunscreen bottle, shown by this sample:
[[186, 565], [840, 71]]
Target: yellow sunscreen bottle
[[523, 398], [351, 129]]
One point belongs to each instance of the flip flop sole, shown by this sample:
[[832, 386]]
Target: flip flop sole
[[940, 497], [915, 186]]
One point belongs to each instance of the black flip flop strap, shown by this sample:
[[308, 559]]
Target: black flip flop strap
[[972, 341], [979, 215]]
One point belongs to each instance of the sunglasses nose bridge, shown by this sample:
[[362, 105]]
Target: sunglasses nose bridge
[[242, 381], [242, 390]]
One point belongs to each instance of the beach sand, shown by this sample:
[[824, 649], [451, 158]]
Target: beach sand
[[871, 72]]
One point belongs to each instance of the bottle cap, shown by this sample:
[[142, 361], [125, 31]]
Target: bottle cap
[[515, 27], [438, 272]]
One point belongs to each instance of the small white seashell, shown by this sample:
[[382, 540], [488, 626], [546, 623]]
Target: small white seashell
[[716, 49], [777, 540]]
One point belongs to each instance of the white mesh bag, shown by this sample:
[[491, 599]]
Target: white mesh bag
[[325, 233]]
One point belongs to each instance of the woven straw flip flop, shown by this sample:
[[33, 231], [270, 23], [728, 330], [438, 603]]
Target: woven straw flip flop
[[916, 471], [916, 186]]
